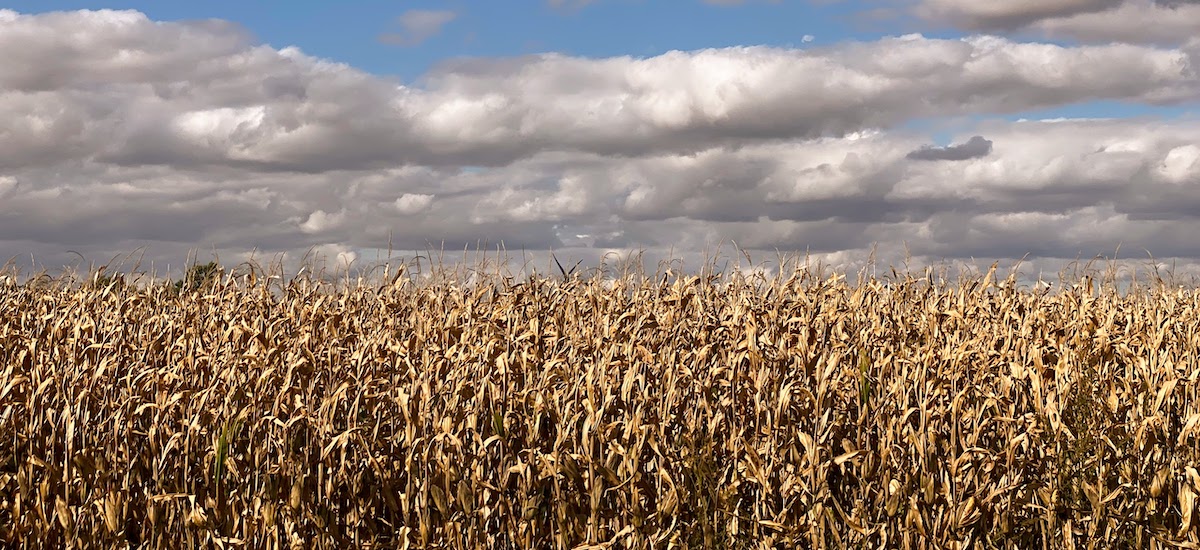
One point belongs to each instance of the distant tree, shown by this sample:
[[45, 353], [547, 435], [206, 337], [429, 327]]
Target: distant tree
[[105, 280], [199, 277]]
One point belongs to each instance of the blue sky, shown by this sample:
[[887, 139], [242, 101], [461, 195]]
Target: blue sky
[[945, 128]]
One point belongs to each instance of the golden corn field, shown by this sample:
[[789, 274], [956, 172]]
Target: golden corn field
[[677, 411]]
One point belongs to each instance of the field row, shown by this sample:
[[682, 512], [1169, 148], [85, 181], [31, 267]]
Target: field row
[[802, 412]]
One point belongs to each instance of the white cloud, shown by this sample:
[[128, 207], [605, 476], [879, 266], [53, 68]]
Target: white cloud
[[333, 256], [198, 94], [1181, 164], [412, 203], [8, 185], [687, 101], [321, 221], [418, 26], [124, 132]]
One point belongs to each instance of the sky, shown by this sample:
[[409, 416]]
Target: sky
[[908, 132]]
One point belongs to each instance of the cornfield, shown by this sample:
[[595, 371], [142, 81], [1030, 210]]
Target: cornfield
[[681, 411]]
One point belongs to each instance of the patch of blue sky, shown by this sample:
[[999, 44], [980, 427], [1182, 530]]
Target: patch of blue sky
[[943, 131], [1108, 109], [349, 32]]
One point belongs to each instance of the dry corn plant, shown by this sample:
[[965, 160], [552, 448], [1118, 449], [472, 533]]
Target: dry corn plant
[[569, 412]]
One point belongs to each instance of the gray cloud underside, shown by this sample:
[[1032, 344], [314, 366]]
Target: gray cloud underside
[[1055, 189], [1163, 22], [1007, 15], [1134, 21], [124, 132]]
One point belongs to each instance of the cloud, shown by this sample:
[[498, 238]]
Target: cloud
[[1162, 22], [8, 186], [321, 221], [1054, 189], [975, 147], [411, 203], [202, 95], [1007, 15], [1134, 21], [418, 26], [118, 132]]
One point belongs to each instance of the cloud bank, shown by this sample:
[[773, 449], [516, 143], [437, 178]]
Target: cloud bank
[[118, 132], [1162, 22]]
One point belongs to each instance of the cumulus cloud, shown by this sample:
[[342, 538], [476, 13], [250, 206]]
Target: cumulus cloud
[[1007, 15], [1164, 22], [411, 203], [8, 186], [118, 132], [1134, 21], [321, 221], [1181, 164], [688, 101], [418, 26], [1053, 189], [196, 95], [975, 147]]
